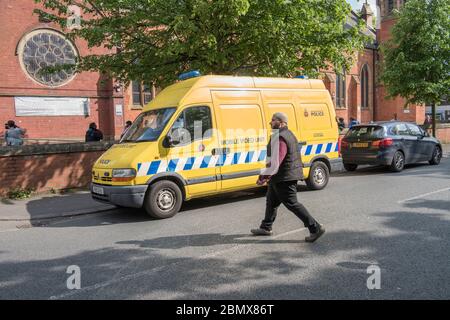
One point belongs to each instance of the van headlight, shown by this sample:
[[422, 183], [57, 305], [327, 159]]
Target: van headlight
[[122, 175]]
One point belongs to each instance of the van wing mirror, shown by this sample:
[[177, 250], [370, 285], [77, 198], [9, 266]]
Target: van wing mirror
[[170, 141], [176, 137]]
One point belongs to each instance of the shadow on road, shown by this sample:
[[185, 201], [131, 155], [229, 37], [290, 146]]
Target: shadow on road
[[411, 248], [426, 169], [129, 215]]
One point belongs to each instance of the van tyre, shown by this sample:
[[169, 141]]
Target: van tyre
[[437, 156], [398, 162], [163, 200], [319, 175], [350, 166]]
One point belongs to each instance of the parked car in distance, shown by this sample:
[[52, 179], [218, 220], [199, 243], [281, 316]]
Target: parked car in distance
[[392, 144]]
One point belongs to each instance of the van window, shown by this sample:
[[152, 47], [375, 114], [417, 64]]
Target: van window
[[196, 120], [148, 125]]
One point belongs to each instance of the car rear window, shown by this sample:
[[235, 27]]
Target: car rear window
[[366, 132]]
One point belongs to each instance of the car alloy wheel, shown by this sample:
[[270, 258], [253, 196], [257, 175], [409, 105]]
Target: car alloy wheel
[[437, 156]]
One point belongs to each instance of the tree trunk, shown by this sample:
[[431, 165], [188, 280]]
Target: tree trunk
[[433, 118]]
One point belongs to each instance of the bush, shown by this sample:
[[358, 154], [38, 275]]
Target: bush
[[19, 193]]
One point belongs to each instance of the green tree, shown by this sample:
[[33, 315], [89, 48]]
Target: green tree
[[416, 59], [155, 40]]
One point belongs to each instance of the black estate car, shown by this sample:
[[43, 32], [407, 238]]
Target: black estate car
[[392, 143]]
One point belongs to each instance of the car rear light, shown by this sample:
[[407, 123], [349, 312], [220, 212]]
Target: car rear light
[[383, 143], [343, 144]]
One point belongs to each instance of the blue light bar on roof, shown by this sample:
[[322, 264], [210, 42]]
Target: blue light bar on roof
[[301, 77], [188, 75]]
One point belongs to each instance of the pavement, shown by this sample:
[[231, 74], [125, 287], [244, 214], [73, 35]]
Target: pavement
[[49, 206], [33, 211], [446, 150]]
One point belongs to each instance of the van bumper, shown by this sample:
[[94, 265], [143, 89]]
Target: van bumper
[[124, 196]]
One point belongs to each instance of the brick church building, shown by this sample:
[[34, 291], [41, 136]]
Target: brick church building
[[61, 106]]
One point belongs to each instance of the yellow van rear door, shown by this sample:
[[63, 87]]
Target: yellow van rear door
[[242, 137], [316, 128]]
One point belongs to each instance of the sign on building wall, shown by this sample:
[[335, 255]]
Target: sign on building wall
[[51, 106]]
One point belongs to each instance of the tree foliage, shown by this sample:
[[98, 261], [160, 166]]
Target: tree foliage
[[155, 40], [416, 59]]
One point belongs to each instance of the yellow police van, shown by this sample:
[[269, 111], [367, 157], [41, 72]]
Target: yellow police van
[[207, 135]]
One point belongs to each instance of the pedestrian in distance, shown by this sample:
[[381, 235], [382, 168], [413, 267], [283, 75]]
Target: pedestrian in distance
[[341, 124], [14, 135], [127, 126], [93, 134], [353, 122], [283, 170], [427, 123]]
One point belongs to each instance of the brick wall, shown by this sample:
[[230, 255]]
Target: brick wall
[[353, 88], [17, 20], [386, 109], [443, 133], [46, 167]]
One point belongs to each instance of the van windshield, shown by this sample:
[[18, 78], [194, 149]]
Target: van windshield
[[148, 125]]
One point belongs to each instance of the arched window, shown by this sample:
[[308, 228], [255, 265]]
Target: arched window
[[43, 48], [340, 89], [365, 86]]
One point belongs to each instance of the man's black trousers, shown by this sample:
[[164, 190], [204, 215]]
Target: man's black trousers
[[286, 193]]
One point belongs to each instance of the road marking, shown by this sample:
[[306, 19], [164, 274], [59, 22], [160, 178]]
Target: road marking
[[424, 195], [158, 269]]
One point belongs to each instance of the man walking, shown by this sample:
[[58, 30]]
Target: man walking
[[283, 170]]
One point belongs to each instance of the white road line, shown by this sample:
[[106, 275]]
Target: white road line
[[161, 268], [425, 194]]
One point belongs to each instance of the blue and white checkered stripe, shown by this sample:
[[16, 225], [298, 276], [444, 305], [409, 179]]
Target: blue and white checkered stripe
[[320, 148], [194, 163]]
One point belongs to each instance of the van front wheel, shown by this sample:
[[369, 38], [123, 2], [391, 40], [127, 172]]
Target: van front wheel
[[163, 200], [318, 176]]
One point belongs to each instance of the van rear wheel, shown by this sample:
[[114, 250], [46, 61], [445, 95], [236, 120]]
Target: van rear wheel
[[163, 200], [318, 176]]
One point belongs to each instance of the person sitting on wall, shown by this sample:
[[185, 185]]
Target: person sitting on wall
[[353, 122], [341, 124], [93, 134], [13, 134]]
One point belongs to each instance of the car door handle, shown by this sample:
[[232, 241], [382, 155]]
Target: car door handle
[[220, 151]]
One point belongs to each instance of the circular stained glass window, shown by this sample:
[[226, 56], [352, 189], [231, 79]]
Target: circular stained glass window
[[47, 48]]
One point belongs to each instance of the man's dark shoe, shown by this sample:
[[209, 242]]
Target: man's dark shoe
[[314, 236], [261, 232]]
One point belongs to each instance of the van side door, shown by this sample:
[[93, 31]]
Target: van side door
[[243, 137], [189, 145]]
